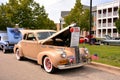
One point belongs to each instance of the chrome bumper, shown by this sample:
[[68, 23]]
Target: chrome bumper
[[71, 66]]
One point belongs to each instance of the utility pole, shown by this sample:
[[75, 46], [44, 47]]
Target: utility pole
[[90, 21]]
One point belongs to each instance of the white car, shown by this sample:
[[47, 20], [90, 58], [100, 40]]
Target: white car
[[110, 41], [4, 43]]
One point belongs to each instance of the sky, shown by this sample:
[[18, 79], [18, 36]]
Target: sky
[[54, 7]]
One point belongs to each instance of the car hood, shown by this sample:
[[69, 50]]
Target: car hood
[[62, 34]]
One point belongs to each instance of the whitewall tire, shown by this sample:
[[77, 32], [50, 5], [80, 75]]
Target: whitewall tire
[[48, 65], [17, 53]]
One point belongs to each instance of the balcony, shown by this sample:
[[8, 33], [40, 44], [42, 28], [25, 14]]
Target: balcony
[[104, 15], [99, 25], [103, 35], [99, 15], [104, 24], [115, 13], [109, 24], [109, 14], [99, 35]]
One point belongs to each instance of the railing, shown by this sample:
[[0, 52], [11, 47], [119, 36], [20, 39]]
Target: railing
[[99, 35], [109, 24], [104, 24], [115, 13], [104, 15], [99, 15], [103, 35], [99, 25], [109, 14]]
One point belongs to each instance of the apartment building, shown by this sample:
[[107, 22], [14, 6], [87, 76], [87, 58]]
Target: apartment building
[[106, 15]]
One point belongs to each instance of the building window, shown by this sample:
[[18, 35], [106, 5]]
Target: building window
[[114, 20], [109, 22], [104, 22], [109, 12], [99, 13], [115, 11], [104, 12]]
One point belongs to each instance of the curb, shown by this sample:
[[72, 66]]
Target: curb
[[108, 68]]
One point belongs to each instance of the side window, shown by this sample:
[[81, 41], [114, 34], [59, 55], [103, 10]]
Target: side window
[[24, 37], [30, 36]]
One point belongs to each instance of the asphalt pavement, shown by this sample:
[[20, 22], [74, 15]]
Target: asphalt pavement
[[12, 69]]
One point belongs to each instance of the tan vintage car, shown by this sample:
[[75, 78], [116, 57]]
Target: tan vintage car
[[51, 49]]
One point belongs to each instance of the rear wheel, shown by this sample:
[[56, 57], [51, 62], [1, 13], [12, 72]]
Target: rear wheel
[[17, 53], [48, 65]]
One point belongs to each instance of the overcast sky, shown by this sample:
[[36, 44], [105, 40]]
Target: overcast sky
[[54, 7]]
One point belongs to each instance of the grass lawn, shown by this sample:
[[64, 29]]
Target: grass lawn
[[107, 54]]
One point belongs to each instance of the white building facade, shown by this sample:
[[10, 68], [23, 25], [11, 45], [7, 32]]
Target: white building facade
[[106, 15]]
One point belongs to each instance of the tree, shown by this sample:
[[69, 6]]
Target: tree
[[26, 13], [4, 18], [79, 16], [117, 23]]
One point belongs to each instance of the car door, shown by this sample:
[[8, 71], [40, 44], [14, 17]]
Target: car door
[[30, 46]]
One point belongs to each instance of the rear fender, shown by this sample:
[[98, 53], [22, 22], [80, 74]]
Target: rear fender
[[20, 50]]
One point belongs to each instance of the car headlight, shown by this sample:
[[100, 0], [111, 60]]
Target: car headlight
[[7, 43], [62, 53]]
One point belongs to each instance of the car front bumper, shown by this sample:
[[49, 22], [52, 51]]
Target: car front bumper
[[72, 65]]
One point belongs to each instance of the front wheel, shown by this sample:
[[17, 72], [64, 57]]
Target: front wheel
[[4, 50], [48, 65]]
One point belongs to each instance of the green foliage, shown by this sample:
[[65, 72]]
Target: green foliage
[[107, 54], [85, 22], [79, 16], [26, 13], [4, 17], [117, 23]]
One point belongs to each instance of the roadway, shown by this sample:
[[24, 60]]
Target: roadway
[[11, 69]]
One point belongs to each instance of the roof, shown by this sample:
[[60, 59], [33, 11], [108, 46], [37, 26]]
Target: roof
[[65, 13], [94, 8], [33, 31]]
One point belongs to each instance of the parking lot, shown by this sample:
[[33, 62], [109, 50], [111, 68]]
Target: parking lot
[[11, 69]]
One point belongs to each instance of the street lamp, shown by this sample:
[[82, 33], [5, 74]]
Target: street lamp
[[61, 23], [90, 21]]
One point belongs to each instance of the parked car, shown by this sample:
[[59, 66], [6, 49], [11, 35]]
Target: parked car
[[84, 40], [51, 50], [110, 41], [9, 38], [4, 43]]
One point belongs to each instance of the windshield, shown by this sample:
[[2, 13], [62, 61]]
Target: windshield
[[44, 35], [51, 33]]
